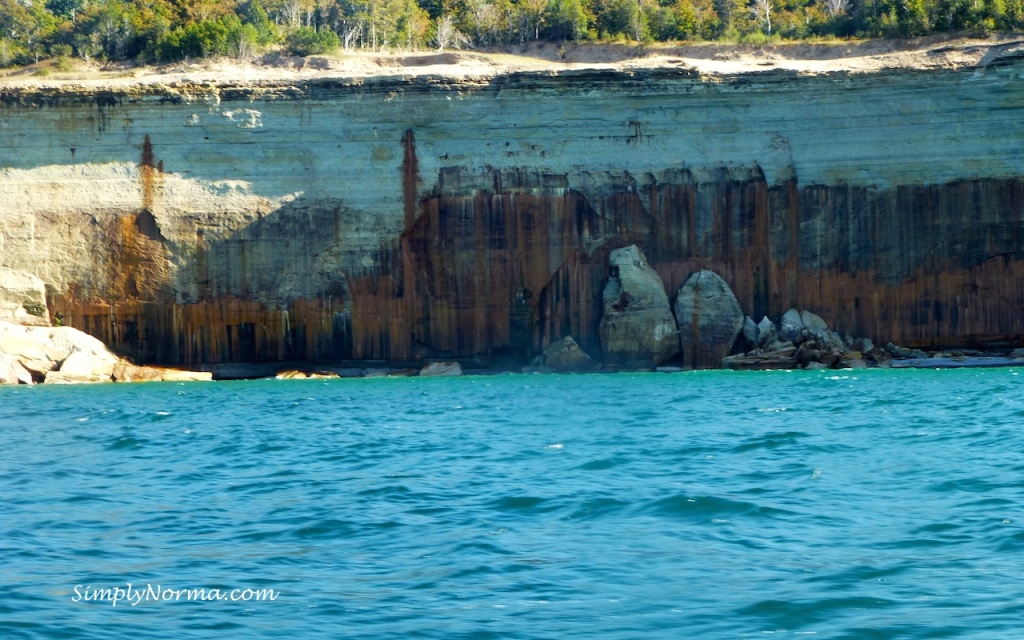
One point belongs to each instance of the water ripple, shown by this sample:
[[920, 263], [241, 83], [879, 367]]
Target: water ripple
[[883, 504]]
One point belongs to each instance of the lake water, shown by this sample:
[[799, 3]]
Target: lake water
[[867, 504]]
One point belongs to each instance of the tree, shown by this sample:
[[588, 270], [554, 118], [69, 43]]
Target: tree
[[307, 41], [66, 9], [763, 13], [447, 35], [836, 7], [567, 19]]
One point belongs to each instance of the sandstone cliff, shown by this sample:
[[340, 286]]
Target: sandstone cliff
[[412, 217]]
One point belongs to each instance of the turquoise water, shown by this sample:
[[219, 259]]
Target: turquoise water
[[880, 504]]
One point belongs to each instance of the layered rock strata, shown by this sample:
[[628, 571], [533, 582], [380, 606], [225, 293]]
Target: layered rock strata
[[431, 218]]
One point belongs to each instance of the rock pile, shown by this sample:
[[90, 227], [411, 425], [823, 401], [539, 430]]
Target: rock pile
[[803, 339]]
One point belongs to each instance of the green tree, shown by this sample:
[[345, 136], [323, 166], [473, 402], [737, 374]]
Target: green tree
[[566, 20], [307, 41]]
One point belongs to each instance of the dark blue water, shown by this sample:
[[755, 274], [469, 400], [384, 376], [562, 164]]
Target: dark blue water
[[885, 504]]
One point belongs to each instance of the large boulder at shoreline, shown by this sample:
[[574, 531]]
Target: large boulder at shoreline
[[709, 319], [23, 298], [566, 356], [637, 330], [441, 369]]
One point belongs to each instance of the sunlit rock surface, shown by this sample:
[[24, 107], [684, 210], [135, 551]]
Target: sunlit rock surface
[[431, 218]]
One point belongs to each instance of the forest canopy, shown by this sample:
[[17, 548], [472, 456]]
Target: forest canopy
[[167, 30]]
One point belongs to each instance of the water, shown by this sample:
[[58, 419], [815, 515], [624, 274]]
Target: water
[[876, 504]]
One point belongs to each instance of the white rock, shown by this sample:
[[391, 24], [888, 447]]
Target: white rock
[[86, 365], [11, 371]]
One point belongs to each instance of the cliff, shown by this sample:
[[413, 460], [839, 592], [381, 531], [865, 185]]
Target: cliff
[[416, 216]]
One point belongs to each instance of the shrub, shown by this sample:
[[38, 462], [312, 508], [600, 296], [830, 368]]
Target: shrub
[[306, 41]]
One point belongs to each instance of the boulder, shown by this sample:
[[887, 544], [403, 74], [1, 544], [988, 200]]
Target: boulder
[[815, 327], [791, 327], [853, 363], [815, 366], [829, 359], [767, 333], [23, 298], [751, 333], [897, 351], [89, 367], [439, 369], [864, 345], [68, 340], [291, 374], [637, 330], [806, 354], [565, 356], [709, 319]]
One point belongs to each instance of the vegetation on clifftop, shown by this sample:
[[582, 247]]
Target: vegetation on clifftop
[[166, 30]]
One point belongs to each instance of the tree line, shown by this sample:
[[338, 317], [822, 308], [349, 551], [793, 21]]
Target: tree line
[[168, 30]]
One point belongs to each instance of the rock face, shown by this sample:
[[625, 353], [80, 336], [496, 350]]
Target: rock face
[[566, 356], [384, 218], [709, 319], [637, 329], [22, 298]]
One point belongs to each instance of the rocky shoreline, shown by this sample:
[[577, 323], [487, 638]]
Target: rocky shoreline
[[704, 328]]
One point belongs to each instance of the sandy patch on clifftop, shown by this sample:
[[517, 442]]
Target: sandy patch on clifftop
[[712, 59]]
